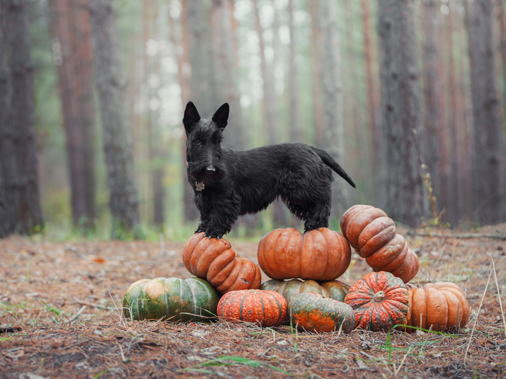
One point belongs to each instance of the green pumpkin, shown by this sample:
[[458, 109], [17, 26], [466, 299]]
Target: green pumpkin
[[314, 313], [171, 299], [337, 290], [292, 287]]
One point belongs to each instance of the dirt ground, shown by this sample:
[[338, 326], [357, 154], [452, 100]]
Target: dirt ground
[[60, 317]]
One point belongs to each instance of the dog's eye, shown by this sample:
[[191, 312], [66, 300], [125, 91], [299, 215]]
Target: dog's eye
[[198, 142]]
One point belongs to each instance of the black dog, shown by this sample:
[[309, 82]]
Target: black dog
[[230, 183]]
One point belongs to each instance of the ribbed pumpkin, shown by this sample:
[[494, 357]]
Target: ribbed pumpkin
[[373, 235], [289, 288], [380, 301], [438, 306], [319, 254], [265, 308], [214, 260], [314, 313], [172, 299]]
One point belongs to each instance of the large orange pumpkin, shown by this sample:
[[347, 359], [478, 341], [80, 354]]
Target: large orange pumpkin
[[438, 306], [265, 308], [373, 235], [320, 254], [379, 300], [214, 260]]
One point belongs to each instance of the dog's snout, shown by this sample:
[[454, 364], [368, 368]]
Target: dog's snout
[[210, 168]]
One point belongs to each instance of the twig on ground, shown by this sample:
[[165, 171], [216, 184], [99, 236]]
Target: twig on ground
[[499, 296], [77, 315], [93, 305], [119, 312], [477, 316], [78, 253]]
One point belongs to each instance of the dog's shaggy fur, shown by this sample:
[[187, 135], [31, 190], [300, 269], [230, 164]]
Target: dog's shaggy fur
[[230, 183]]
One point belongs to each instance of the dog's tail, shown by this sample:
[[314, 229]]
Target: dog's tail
[[329, 161]]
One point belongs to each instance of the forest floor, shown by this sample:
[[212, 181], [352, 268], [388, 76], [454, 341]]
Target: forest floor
[[60, 316]]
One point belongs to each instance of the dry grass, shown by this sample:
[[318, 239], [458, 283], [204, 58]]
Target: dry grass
[[58, 307]]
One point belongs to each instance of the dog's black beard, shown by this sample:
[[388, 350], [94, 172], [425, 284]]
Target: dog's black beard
[[200, 174]]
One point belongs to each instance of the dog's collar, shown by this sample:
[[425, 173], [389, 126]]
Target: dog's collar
[[199, 186]]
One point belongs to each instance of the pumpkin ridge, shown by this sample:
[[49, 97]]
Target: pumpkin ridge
[[279, 307]]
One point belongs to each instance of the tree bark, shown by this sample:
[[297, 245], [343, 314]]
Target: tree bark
[[316, 70], [370, 82], [28, 213], [501, 16], [487, 175], [8, 170], [296, 133], [71, 27], [225, 72], [109, 80], [432, 91], [332, 104], [182, 53], [200, 58], [405, 198]]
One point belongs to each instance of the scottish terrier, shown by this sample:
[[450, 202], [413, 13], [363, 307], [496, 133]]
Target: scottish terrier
[[229, 183]]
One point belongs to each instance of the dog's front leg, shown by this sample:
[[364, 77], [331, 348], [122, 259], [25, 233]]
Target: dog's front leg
[[217, 220]]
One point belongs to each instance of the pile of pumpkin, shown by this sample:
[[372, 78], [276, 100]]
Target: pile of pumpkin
[[304, 290]]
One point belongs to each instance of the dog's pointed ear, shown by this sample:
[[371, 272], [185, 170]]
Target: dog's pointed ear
[[221, 116], [191, 116]]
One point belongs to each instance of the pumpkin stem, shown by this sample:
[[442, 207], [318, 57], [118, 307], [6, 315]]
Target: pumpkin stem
[[378, 296]]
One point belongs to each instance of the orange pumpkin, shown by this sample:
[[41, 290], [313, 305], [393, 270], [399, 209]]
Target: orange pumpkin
[[214, 260], [373, 235], [265, 308], [438, 306], [319, 254], [379, 300]]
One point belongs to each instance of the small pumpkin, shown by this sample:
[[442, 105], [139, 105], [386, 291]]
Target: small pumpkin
[[314, 313], [380, 301], [337, 290], [438, 306], [171, 299], [320, 254], [289, 288], [373, 236], [216, 261], [265, 308]]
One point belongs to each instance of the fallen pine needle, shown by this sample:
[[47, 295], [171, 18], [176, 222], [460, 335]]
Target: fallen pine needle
[[477, 316], [499, 297]]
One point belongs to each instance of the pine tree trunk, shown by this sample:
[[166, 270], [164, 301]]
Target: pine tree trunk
[[371, 83], [190, 212], [405, 199], [8, 170], [501, 16], [201, 59], [71, 27], [296, 133], [487, 191], [432, 93], [332, 104], [225, 72], [29, 214], [316, 70], [109, 80]]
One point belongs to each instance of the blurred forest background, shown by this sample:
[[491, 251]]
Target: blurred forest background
[[409, 96]]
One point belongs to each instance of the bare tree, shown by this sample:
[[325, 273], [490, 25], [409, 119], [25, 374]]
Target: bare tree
[[71, 28], [332, 104], [296, 132], [28, 210], [405, 198], [487, 175], [109, 80], [225, 71], [7, 154], [316, 70], [432, 92]]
